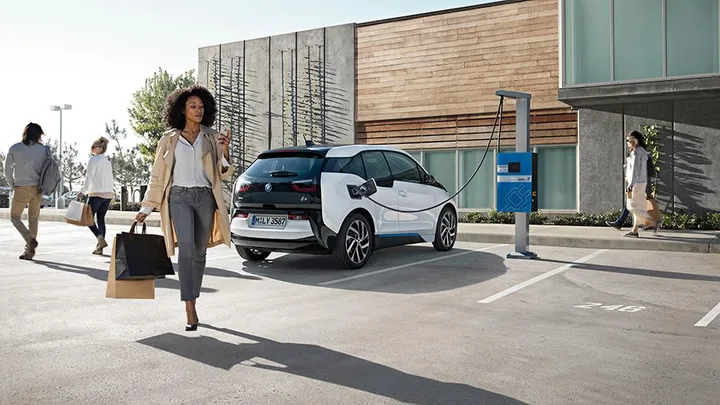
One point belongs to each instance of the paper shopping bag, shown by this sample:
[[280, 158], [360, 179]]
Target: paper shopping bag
[[131, 289], [141, 256], [653, 209], [79, 214]]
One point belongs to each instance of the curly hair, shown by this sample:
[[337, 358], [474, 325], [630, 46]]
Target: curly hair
[[175, 106]]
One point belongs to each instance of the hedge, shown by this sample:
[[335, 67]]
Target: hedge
[[131, 206], [682, 221]]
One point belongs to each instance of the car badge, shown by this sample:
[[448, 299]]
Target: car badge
[[268, 187]]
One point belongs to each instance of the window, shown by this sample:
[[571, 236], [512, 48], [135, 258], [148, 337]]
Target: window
[[587, 41], [376, 167], [623, 40], [557, 185], [441, 164], [352, 165], [402, 168], [479, 193], [416, 154], [638, 39], [692, 37]]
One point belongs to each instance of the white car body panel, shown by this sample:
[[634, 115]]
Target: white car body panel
[[333, 187]]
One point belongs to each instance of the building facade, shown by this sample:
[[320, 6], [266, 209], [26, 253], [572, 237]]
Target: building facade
[[426, 83]]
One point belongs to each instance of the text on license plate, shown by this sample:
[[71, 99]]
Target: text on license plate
[[268, 221]]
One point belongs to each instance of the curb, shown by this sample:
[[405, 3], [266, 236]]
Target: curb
[[650, 243], [109, 220]]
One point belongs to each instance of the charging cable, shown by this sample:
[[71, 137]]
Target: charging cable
[[487, 148]]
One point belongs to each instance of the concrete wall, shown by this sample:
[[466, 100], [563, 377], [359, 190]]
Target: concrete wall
[[690, 163], [280, 90]]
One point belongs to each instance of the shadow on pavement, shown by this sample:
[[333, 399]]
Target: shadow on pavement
[[102, 275], [322, 364], [462, 268], [638, 272]]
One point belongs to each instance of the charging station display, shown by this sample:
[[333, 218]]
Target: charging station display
[[517, 182]]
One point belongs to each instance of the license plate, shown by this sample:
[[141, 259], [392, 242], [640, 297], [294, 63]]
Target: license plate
[[268, 221]]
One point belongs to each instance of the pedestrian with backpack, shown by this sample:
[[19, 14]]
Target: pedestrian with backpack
[[26, 167]]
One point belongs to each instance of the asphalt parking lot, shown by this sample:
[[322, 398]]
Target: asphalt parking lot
[[577, 326]]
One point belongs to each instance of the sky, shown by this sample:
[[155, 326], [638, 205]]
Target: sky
[[95, 54]]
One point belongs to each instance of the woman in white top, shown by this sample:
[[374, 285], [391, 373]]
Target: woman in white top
[[637, 179], [99, 182], [186, 187]]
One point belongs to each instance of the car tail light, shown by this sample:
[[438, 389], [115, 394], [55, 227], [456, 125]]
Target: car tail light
[[298, 217], [240, 214], [304, 188]]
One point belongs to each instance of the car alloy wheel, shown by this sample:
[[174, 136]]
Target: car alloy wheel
[[448, 229], [357, 241]]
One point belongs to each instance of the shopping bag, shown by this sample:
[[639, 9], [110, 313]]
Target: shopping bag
[[131, 289], [79, 214], [653, 209], [141, 256]]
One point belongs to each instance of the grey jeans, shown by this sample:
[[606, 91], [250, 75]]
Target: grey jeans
[[192, 211]]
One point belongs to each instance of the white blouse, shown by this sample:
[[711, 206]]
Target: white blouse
[[189, 171]]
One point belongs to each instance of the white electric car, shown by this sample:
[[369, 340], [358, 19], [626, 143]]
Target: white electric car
[[321, 199]]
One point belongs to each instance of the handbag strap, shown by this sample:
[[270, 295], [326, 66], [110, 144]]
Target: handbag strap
[[144, 229]]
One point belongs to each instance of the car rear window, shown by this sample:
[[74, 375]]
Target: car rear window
[[296, 164]]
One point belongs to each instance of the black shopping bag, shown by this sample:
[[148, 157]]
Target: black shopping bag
[[141, 256]]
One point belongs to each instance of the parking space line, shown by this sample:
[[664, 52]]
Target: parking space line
[[540, 278], [372, 273], [705, 321]]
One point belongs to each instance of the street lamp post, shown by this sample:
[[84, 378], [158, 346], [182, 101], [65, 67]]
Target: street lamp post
[[58, 200]]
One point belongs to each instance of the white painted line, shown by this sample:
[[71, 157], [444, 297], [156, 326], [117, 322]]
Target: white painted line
[[709, 316], [540, 278], [372, 273]]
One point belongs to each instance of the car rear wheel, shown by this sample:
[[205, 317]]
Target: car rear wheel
[[446, 230], [252, 254], [354, 243]]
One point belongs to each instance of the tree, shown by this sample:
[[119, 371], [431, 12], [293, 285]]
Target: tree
[[129, 168], [3, 183], [146, 112], [73, 169]]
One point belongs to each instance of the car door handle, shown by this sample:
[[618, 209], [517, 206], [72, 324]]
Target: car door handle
[[402, 193]]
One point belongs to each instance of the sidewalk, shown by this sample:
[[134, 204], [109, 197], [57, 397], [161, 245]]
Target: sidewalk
[[544, 235]]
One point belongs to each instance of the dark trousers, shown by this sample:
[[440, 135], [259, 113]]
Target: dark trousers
[[99, 207], [623, 217], [192, 212]]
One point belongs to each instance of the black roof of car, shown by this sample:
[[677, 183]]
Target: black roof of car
[[317, 149]]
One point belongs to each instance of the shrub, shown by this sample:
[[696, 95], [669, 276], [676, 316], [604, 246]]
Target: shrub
[[131, 206], [681, 221]]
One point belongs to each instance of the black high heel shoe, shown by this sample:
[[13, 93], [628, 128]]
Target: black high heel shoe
[[191, 328]]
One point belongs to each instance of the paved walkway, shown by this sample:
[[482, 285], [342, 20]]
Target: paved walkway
[[544, 235]]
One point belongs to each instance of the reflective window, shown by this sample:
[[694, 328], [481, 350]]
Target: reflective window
[[402, 168], [638, 39], [587, 42], [692, 37], [376, 167]]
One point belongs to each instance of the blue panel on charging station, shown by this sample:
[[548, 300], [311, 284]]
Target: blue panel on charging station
[[517, 182]]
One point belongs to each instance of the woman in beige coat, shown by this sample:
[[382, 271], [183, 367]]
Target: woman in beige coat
[[185, 186]]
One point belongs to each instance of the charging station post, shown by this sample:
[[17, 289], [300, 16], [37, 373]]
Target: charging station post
[[517, 177]]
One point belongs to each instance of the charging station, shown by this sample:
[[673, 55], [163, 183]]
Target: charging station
[[517, 177]]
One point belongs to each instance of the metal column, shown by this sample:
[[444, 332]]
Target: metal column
[[522, 144]]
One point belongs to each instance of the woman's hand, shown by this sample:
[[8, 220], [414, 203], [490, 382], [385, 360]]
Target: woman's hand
[[140, 217], [224, 142]]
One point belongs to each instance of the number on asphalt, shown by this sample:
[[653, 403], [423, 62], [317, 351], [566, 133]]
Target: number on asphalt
[[619, 308]]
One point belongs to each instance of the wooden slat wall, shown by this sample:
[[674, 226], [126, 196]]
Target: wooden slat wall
[[452, 63], [547, 127]]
